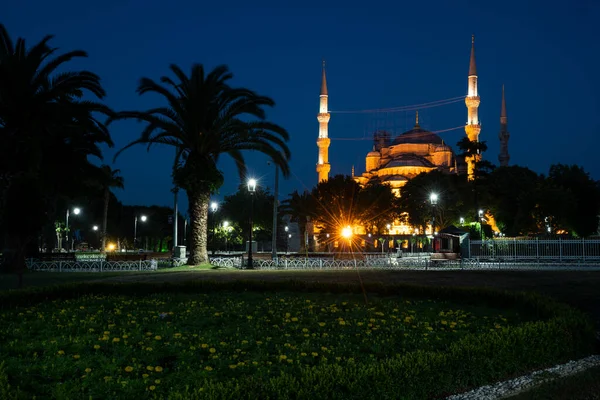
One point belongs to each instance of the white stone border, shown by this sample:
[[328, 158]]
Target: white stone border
[[503, 390]]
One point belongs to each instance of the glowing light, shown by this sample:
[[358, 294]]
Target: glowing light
[[76, 210], [214, 206], [95, 227], [251, 185], [143, 218], [111, 246], [462, 220], [225, 224], [347, 232], [433, 197]]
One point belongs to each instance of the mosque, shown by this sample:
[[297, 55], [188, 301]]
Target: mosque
[[396, 160]]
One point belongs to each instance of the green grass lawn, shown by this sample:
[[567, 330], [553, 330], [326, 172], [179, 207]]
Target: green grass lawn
[[123, 347], [9, 281]]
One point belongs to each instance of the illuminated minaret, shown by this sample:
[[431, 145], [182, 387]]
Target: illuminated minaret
[[503, 157], [473, 127], [323, 166]]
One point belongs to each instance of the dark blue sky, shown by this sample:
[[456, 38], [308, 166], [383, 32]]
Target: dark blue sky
[[379, 54]]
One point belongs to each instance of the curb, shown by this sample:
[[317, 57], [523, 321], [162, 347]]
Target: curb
[[512, 387]]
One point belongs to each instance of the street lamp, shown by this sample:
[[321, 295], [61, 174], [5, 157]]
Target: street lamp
[[214, 207], [433, 198], [347, 233], [95, 227], [251, 189], [225, 227], [287, 239], [143, 218], [76, 211], [462, 221]]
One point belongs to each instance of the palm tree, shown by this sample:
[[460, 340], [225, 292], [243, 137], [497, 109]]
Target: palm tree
[[47, 131], [203, 119], [110, 179]]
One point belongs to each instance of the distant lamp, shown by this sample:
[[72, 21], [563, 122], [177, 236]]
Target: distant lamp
[[462, 220], [225, 224], [111, 247], [214, 206], [347, 232], [549, 229], [76, 210], [388, 226], [433, 198], [143, 218], [287, 228], [481, 213], [95, 227]]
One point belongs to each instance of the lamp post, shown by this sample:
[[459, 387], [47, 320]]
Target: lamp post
[[433, 198], [462, 221], [143, 218], [347, 233], [251, 189], [185, 230], [287, 239], [214, 206], [95, 229], [225, 228], [76, 211]]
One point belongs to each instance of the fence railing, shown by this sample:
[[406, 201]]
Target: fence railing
[[536, 249], [408, 263], [91, 266]]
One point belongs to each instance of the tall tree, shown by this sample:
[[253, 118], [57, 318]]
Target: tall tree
[[415, 199], [111, 178], [511, 193], [583, 221], [47, 131], [203, 119]]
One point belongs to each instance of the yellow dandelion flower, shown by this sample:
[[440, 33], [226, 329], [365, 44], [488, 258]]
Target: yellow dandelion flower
[[76, 356], [314, 354], [88, 370], [321, 323], [145, 376], [158, 368], [150, 368], [244, 342], [128, 368], [232, 366], [157, 337], [212, 350], [208, 368], [294, 319], [148, 348], [61, 352], [152, 387], [116, 339], [107, 378], [157, 381], [204, 345], [282, 357], [125, 336]]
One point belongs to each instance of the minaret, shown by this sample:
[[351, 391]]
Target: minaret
[[323, 166], [473, 127], [503, 157]]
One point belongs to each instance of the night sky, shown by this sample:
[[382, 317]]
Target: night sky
[[378, 55]]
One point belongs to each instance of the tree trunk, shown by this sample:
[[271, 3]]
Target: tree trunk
[[104, 219], [198, 209]]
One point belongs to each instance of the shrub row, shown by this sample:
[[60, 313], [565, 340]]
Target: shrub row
[[559, 333]]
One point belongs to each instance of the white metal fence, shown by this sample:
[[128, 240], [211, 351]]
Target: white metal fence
[[409, 263], [561, 250], [91, 266]]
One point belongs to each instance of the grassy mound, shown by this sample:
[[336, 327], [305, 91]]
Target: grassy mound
[[275, 340]]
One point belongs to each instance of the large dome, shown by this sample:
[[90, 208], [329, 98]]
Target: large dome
[[417, 135]]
